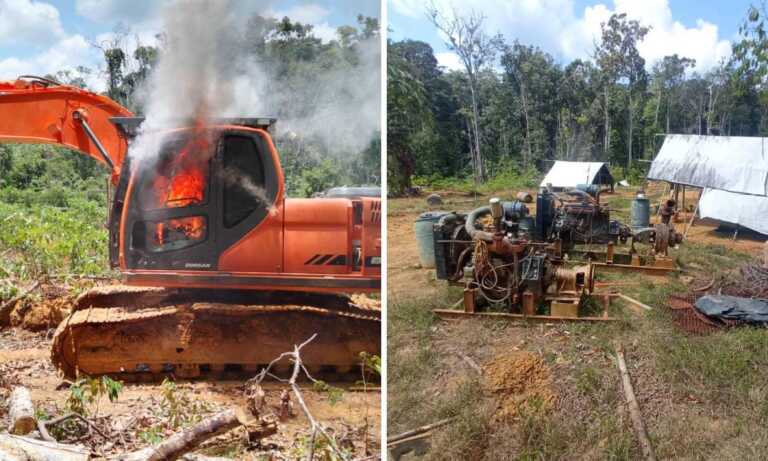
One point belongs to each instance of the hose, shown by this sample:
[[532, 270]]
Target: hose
[[469, 225]]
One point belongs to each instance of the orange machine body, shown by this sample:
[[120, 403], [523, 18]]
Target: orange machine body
[[220, 220]]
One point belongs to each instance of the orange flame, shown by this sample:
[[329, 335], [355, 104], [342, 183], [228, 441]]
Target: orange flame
[[185, 185]]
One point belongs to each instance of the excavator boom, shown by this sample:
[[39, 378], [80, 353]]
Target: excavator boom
[[37, 110]]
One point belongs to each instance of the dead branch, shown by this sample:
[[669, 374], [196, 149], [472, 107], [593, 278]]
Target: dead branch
[[316, 427], [634, 408], [42, 426], [187, 440], [418, 430]]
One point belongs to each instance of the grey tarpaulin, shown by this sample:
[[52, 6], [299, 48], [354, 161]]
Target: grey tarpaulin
[[750, 211], [734, 308], [731, 163]]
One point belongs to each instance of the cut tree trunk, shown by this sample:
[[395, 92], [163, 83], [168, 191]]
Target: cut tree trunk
[[21, 412], [187, 440], [13, 447]]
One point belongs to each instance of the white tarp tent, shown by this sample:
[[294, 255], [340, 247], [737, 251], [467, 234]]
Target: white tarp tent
[[729, 163], [570, 174], [750, 211]]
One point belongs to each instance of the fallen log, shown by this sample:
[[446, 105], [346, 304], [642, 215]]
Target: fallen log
[[14, 447], [634, 408], [187, 440], [21, 412]]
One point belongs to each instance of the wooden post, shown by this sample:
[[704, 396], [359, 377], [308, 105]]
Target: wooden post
[[469, 300], [528, 307]]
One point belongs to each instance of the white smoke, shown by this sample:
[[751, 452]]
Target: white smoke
[[206, 67]]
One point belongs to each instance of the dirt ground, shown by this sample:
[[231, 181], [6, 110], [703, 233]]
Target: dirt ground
[[353, 416], [564, 398]]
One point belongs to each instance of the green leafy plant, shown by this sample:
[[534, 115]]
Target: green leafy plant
[[178, 408], [335, 394], [85, 394], [152, 435]]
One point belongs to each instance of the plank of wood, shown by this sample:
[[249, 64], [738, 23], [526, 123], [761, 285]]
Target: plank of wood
[[634, 301]]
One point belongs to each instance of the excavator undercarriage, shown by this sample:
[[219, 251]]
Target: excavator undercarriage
[[140, 334]]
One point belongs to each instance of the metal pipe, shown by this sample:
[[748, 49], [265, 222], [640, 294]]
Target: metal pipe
[[79, 117]]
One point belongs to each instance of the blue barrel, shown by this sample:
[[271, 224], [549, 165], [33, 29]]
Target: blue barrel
[[641, 213], [425, 237]]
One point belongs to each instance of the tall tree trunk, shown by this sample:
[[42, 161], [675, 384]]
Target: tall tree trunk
[[480, 170], [607, 134], [656, 113], [471, 146], [629, 147], [527, 126]]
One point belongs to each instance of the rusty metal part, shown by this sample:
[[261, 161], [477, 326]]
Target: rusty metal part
[[210, 339], [448, 314]]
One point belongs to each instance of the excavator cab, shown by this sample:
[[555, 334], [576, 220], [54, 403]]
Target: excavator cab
[[205, 189]]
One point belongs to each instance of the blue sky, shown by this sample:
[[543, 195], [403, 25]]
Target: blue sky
[[703, 30], [44, 36]]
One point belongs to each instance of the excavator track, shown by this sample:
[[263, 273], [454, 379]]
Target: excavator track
[[145, 334]]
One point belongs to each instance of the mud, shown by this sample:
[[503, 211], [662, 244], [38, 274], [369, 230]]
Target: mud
[[521, 382]]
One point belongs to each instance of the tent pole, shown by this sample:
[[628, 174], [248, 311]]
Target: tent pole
[[683, 198], [693, 216]]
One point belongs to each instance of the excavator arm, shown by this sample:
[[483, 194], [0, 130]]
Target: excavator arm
[[38, 110]]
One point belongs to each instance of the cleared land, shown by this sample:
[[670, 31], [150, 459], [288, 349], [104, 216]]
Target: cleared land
[[701, 397]]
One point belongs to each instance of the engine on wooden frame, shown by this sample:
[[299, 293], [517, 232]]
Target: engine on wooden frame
[[576, 217], [492, 252]]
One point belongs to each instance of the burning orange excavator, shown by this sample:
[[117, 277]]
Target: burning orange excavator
[[222, 272]]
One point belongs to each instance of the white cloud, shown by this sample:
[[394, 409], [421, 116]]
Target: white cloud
[[308, 14], [29, 22], [666, 36], [556, 26], [69, 53], [449, 60]]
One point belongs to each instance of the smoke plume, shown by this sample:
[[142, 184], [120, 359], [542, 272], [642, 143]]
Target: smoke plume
[[207, 68]]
